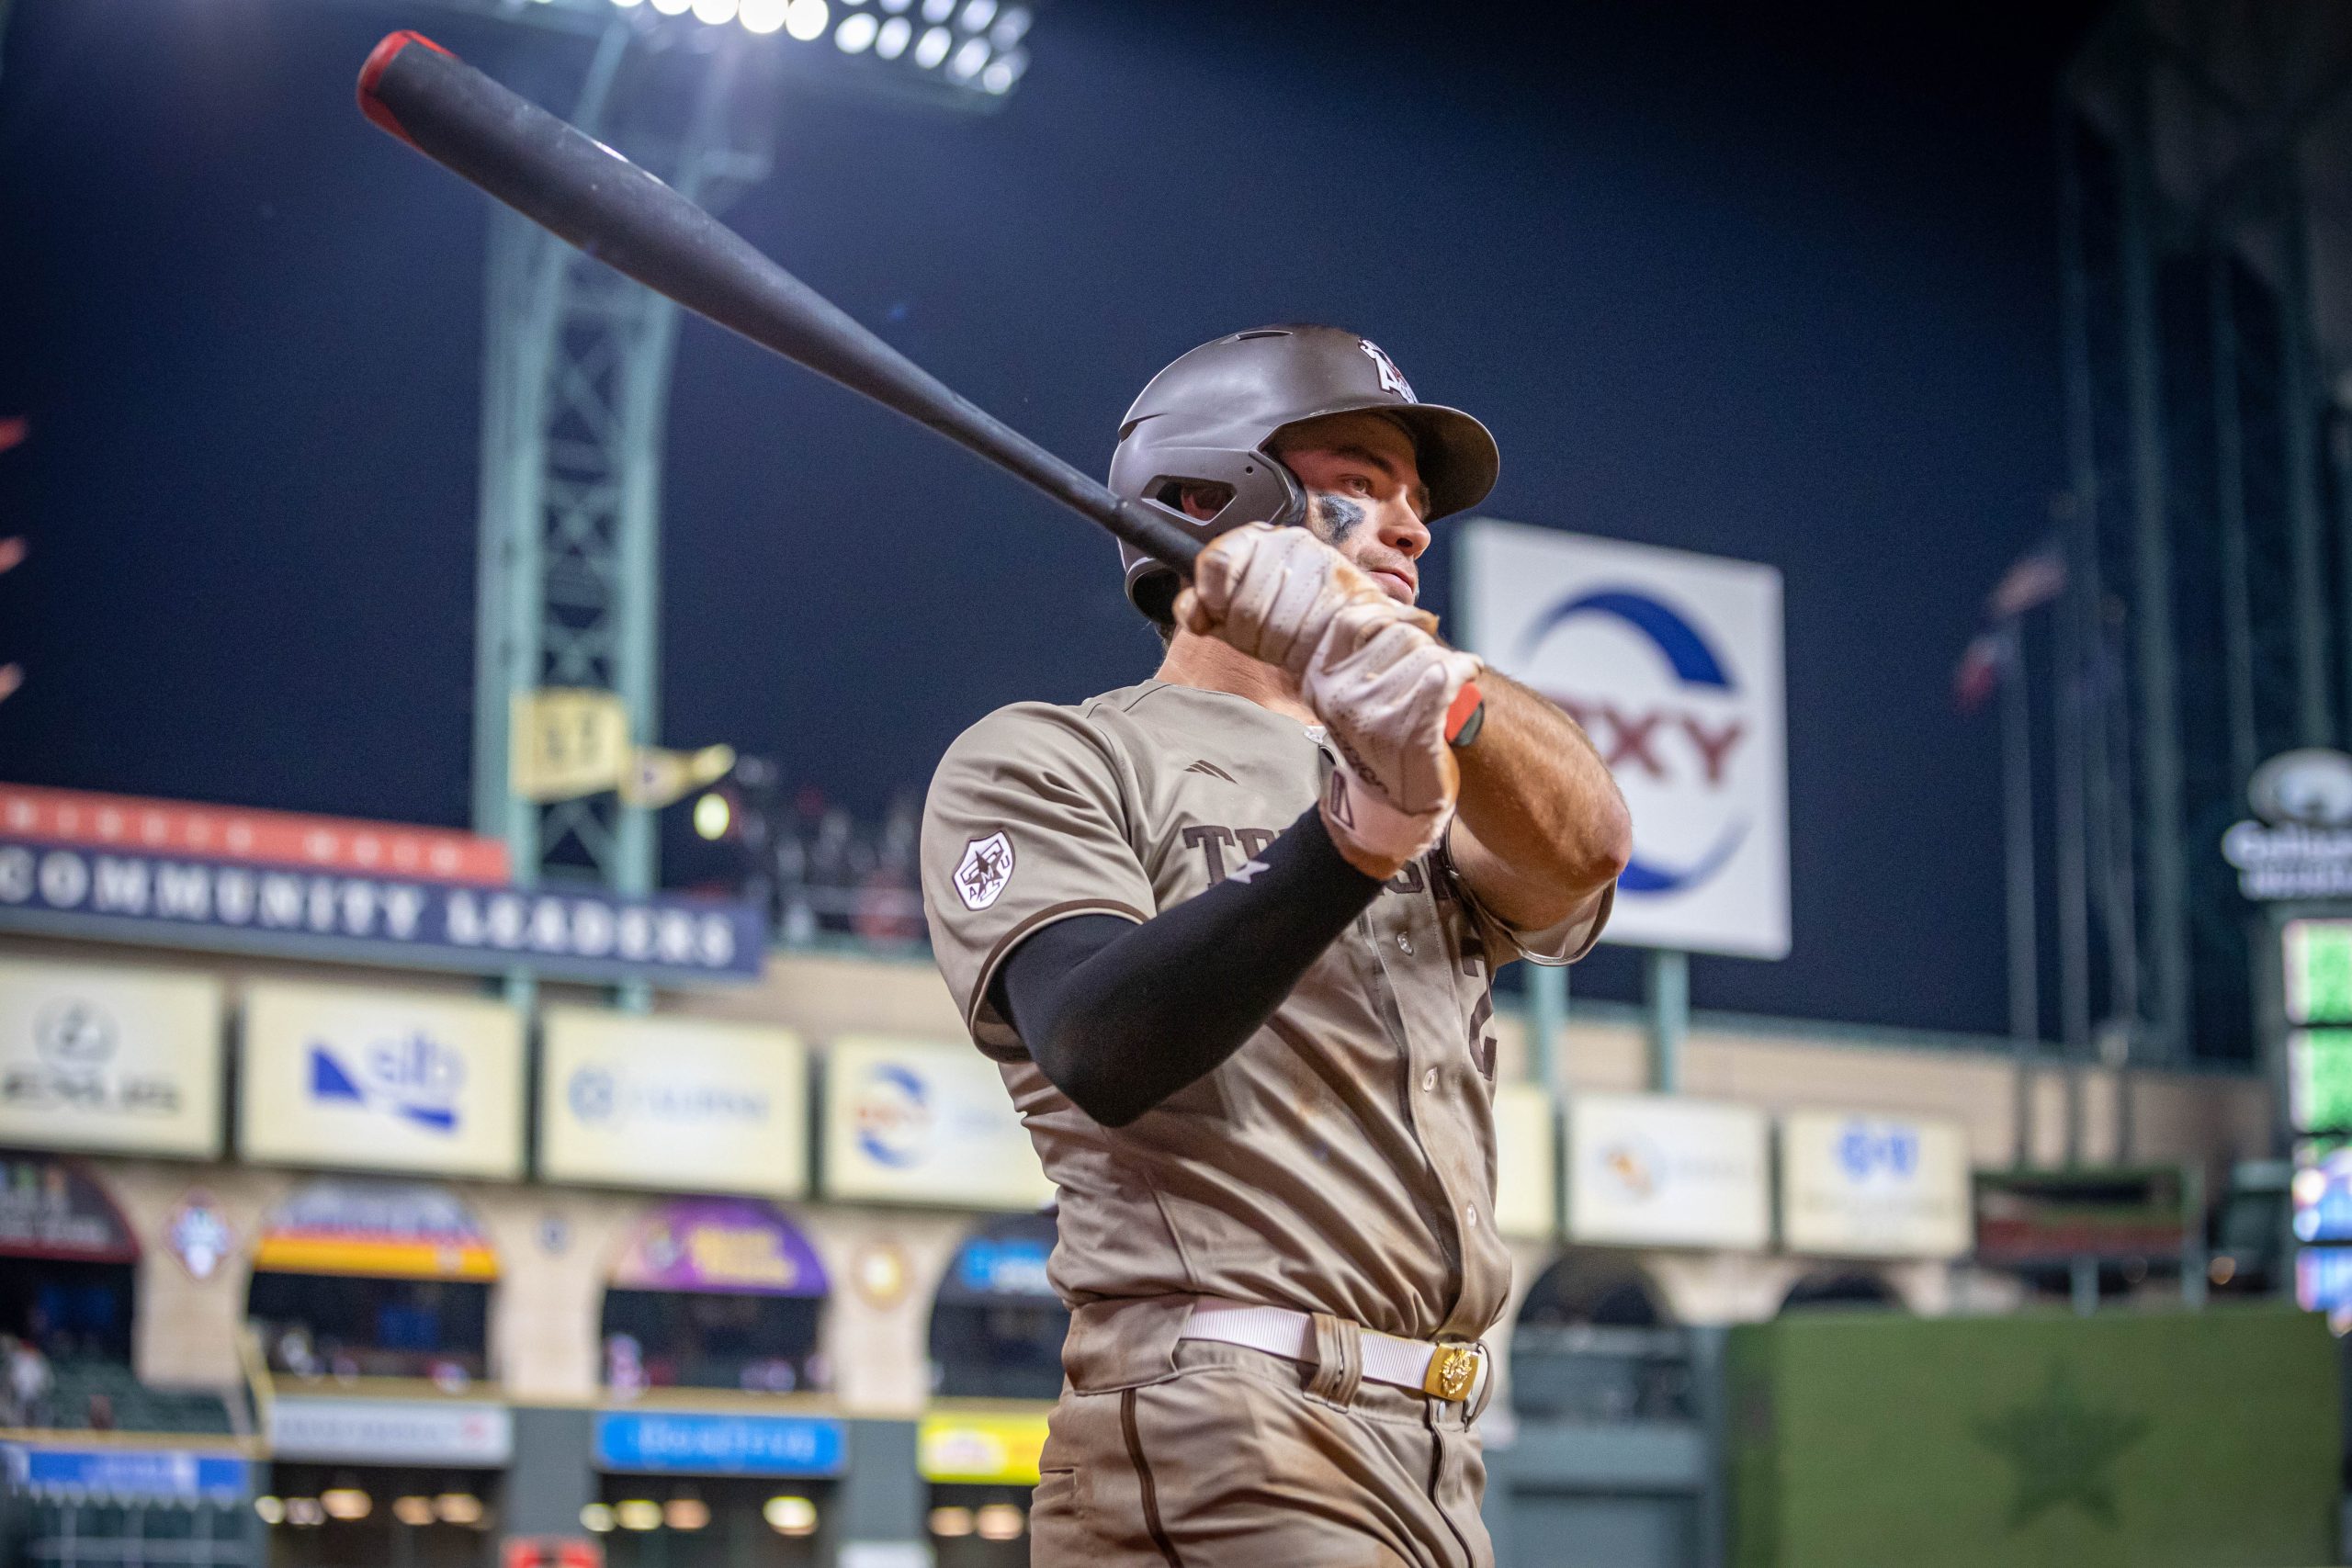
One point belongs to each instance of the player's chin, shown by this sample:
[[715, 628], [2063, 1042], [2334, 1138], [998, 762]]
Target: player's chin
[[1397, 586]]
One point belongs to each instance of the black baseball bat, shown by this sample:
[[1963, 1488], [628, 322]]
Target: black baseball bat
[[589, 196]]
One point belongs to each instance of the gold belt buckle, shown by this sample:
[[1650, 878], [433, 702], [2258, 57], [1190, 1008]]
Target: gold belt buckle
[[1454, 1371]]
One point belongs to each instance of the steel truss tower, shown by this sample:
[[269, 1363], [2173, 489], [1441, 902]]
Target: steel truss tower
[[576, 397], [2205, 162]]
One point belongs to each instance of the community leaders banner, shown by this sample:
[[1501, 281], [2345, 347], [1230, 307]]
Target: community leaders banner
[[1660, 1170], [380, 1080], [127, 1061], [673, 1103], [1856, 1186], [917, 1122], [1671, 662]]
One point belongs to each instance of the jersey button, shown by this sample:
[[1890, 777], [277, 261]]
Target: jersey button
[[1405, 943], [1470, 1217], [1429, 1080]]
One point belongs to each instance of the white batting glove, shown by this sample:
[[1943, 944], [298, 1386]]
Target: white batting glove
[[1271, 592], [1382, 687]]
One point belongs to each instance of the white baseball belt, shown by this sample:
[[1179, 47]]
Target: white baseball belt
[[1453, 1373]]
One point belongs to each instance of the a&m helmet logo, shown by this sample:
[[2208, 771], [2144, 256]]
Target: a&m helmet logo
[[986, 867], [1391, 378]]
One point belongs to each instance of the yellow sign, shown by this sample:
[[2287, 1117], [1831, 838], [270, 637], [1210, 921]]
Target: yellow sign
[[675, 1104], [380, 1080], [917, 1122], [1527, 1187], [567, 741], [1856, 1185], [123, 1060], [978, 1449]]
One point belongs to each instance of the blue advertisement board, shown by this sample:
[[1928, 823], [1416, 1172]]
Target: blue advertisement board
[[654, 1440], [169, 1475], [185, 901]]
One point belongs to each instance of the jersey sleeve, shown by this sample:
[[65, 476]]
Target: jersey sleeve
[[1552, 947], [1026, 823]]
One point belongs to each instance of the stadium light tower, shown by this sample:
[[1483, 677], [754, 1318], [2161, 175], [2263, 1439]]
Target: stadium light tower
[[577, 359]]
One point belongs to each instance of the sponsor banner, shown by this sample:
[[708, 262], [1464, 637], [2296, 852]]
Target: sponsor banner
[[121, 1060], [2319, 1079], [380, 1080], [127, 1474], [646, 1441], [1874, 1186], [1660, 1170], [242, 833], [917, 1122], [55, 1209], [1006, 1261], [1671, 662], [975, 1450], [2053, 1216], [1527, 1188], [2317, 965], [399, 1230], [191, 902], [2322, 1193], [730, 1245], [683, 1104], [390, 1432]]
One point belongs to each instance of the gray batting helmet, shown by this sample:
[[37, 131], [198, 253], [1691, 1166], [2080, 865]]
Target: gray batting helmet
[[1212, 417]]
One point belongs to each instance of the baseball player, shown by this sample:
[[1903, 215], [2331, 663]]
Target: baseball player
[[1230, 934]]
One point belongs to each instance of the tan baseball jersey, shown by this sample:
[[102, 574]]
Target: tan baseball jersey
[[1342, 1160]]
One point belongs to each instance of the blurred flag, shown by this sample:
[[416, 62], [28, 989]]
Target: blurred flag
[[2035, 578], [567, 741], [655, 777], [1979, 674]]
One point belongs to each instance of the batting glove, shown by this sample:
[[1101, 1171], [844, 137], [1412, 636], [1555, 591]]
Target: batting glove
[[1382, 685], [1272, 593]]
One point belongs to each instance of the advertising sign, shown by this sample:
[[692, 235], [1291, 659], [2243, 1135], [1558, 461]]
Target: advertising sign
[[127, 1474], [2299, 842], [917, 1122], [242, 833], [2026, 1217], [402, 1230], [2322, 1194], [380, 1080], [2319, 1079], [1660, 1170], [123, 1060], [2318, 970], [1527, 1188], [300, 912], [1856, 1185], [1007, 1259], [662, 1102], [54, 1208], [730, 1246], [980, 1449], [390, 1432], [1671, 662], [649, 1441]]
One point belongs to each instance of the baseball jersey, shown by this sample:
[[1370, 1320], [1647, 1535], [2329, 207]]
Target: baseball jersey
[[1342, 1160]]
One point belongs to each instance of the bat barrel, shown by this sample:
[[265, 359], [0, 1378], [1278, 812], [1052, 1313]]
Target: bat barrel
[[593, 199]]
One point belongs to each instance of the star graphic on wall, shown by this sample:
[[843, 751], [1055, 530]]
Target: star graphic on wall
[[2063, 1449]]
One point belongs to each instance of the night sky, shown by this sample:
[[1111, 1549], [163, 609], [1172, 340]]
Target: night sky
[[1770, 281]]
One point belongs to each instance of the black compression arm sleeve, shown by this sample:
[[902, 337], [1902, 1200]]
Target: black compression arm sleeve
[[1119, 1016]]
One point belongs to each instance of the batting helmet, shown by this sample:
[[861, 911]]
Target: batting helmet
[[1212, 417]]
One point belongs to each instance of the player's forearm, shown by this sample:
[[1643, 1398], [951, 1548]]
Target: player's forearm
[[1550, 828], [1119, 1016]]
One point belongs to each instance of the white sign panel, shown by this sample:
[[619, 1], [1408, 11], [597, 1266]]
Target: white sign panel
[[390, 1432], [1856, 1186], [1527, 1188], [1671, 662], [919, 1122], [122, 1060], [1659, 1170], [382, 1080], [679, 1105]]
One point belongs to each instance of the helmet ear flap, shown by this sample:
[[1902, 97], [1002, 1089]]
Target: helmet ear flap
[[1263, 491]]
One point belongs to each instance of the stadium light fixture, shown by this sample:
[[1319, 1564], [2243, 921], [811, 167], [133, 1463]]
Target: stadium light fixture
[[790, 1515], [413, 1510], [951, 1522], [637, 1514]]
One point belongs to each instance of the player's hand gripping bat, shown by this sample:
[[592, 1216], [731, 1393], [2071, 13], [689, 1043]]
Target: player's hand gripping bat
[[591, 196]]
